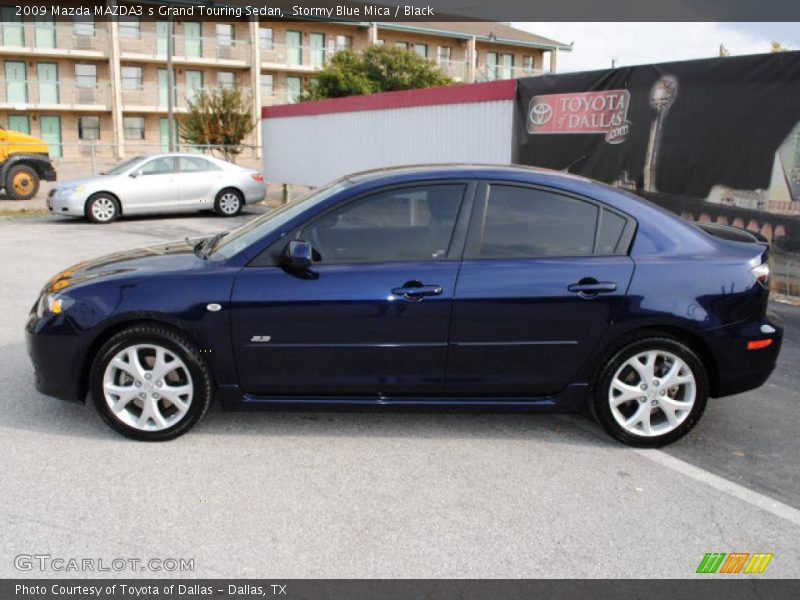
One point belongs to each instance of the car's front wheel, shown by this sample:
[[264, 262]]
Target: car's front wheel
[[102, 208], [150, 383], [650, 392]]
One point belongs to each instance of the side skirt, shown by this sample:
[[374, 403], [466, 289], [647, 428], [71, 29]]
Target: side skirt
[[572, 399]]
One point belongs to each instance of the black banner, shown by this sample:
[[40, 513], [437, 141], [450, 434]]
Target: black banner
[[713, 140], [739, 588]]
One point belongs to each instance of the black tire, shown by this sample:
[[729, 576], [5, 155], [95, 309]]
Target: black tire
[[175, 343], [22, 182], [599, 404], [102, 208], [223, 201]]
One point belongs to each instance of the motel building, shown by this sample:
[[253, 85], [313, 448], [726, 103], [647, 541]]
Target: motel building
[[90, 85]]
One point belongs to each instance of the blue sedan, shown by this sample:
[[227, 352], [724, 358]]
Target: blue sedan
[[496, 288]]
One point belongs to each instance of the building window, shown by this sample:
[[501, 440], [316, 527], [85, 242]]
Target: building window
[[130, 27], [224, 34], [421, 49], [401, 45], [133, 128], [527, 63], [491, 66], [83, 25], [193, 38], [266, 85], [443, 54], [86, 76], [317, 50], [225, 79], [89, 128], [131, 78], [380, 42], [266, 37], [294, 87], [344, 42]]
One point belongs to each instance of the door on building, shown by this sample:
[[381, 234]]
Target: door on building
[[194, 83], [47, 78], [163, 86], [294, 50], [491, 66], [51, 134], [19, 123], [192, 39], [45, 28], [163, 134], [162, 38], [13, 31], [317, 50], [508, 66], [16, 82], [294, 87]]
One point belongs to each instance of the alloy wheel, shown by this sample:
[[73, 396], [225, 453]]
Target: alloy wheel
[[148, 387], [229, 203], [652, 393], [103, 209]]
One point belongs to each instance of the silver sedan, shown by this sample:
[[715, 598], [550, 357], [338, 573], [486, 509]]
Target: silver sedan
[[159, 184]]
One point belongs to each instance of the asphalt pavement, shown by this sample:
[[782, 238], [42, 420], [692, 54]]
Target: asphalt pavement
[[371, 494]]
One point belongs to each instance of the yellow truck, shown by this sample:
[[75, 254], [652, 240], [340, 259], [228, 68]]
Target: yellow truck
[[24, 162]]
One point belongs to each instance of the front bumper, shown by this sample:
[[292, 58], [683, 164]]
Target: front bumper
[[56, 353], [738, 368], [66, 204]]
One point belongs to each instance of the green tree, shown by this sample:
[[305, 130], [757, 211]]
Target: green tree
[[220, 117], [778, 47], [375, 69], [723, 50]]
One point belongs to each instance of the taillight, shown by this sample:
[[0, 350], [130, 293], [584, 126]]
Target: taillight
[[257, 177], [758, 344], [761, 273]]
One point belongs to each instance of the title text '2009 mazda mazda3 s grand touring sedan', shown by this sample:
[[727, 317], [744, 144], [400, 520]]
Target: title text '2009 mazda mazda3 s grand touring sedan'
[[449, 286]]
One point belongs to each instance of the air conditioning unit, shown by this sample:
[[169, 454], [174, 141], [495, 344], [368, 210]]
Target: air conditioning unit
[[87, 96], [84, 42], [225, 52]]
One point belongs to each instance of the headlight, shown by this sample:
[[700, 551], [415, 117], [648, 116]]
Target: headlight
[[71, 190], [53, 304]]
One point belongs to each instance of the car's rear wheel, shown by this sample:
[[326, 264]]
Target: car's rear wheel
[[150, 383], [229, 203], [650, 392], [102, 208]]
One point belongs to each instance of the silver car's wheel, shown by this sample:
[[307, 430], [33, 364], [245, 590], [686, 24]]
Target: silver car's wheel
[[652, 393], [148, 387], [229, 203], [102, 209]]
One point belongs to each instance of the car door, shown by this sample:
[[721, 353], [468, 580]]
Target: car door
[[371, 317], [153, 187], [198, 180], [544, 274]]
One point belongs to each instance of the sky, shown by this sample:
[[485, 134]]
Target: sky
[[596, 44]]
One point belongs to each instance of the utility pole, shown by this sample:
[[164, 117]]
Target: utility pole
[[170, 87]]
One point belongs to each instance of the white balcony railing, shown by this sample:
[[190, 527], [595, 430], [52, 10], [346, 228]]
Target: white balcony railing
[[51, 39], [279, 96], [63, 95], [299, 57], [148, 98], [185, 48], [455, 69], [495, 72]]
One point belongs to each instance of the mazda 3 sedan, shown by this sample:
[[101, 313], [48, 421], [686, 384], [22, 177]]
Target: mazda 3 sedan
[[496, 288], [159, 184]]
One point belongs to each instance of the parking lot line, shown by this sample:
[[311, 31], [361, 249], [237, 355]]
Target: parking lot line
[[740, 492]]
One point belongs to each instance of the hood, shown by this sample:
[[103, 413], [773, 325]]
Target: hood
[[163, 258], [84, 181]]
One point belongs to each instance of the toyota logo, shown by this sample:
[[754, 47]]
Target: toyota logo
[[541, 113]]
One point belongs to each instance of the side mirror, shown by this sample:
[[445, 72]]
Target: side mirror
[[299, 255], [134, 174]]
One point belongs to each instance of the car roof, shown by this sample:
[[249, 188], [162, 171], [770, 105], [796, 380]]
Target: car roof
[[479, 170]]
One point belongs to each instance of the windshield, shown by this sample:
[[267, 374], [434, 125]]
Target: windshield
[[123, 166], [240, 238]]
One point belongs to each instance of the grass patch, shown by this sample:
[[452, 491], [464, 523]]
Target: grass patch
[[21, 213]]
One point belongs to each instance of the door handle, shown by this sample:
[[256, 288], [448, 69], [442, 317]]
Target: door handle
[[589, 287], [417, 292]]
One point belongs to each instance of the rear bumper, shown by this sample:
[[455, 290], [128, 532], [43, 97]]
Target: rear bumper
[[738, 368]]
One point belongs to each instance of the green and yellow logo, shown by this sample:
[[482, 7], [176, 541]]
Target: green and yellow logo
[[735, 562]]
